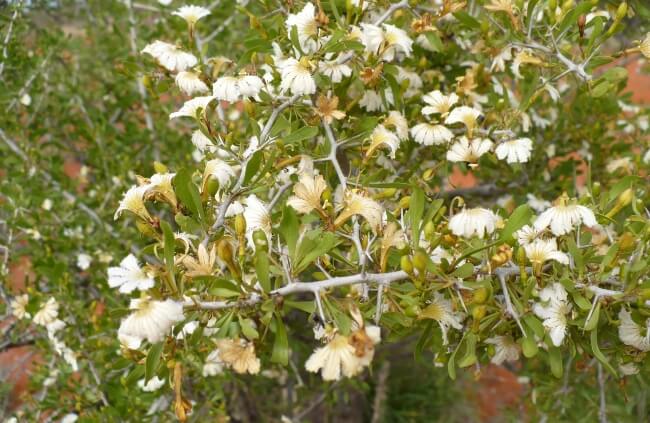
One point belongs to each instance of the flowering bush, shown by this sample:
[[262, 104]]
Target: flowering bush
[[321, 222]]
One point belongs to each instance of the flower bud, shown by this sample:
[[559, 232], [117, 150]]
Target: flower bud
[[224, 250], [623, 200], [429, 229], [441, 212], [145, 229], [595, 189], [405, 202], [479, 312], [159, 167], [521, 256], [260, 240], [240, 225], [480, 295], [406, 264], [621, 12], [211, 185], [420, 261], [428, 174]]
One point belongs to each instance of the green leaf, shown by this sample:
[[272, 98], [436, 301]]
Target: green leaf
[[529, 347], [280, 353], [575, 252], [599, 354], [467, 20], [188, 193], [555, 360], [571, 18], [434, 40], [517, 219], [306, 306], [169, 246], [592, 323], [253, 166], [601, 89], [313, 244], [304, 133], [416, 210], [248, 329], [289, 227], [464, 271], [262, 269], [469, 357], [152, 361]]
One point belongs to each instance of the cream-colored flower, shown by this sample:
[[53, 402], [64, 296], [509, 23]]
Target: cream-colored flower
[[537, 204], [307, 193], [506, 349], [428, 134], [624, 163], [524, 57], [563, 217], [515, 151], [192, 14], [414, 82], [380, 137], [154, 384], [393, 236], [233, 88], [334, 359], [239, 355], [18, 307], [202, 142], [541, 250], [526, 235], [327, 108], [170, 57], [355, 202], [306, 27], [442, 311], [296, 77], [203, 264], [630, 333], [160, 187], [151, 320], [213, 364], [371, 101], [438, 103], [387, 41], [464, 150], [47, 313], [129, 276], [191, 108], [133, 201], [553, 309], [398, 122], [257, 217], [220, 170], [473, 222], [465, 115], [334, 70], [190, 83]]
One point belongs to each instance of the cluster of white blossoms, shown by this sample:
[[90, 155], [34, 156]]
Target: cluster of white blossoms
[[46, 315], [306, 67]]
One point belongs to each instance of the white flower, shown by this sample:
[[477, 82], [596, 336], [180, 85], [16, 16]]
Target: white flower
[[387, 41], [515, 151], [334, 70], [644, 46], [257, 217], [129, 276], [219, 170], [190, 83], [83, 261], [381, 136], [563, 217], [371, 101], [441, 310], [335, 358], [307, 193], [213, 365], [628, 369], [226, 88], [47, 313], [188, 329], [133, 201], [18, 306], [202, 142], [47, 204], [192, 107], [465, 115], [154, 384], [470, 222], [191, 13], [69, 418], [26, 100], [464, 150], [239, 355], [306, 27], [249, 85], [541, 250], [296, 77], [427, 134], [499, 61], [151, 320], [397, 121], [624, 163], [630, 332], [356, 202], [539, 205], [553, 309], [506, 349], [526, 235], [414, 80], [170, 57], [438, 103]]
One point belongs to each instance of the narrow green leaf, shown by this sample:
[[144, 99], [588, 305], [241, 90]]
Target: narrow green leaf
[[555, 361], [599, 354], [152, 361], [248, 329], [280, 352], [517, 219], [289, 226], [416, 210], [262, 269], [304, 133]]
